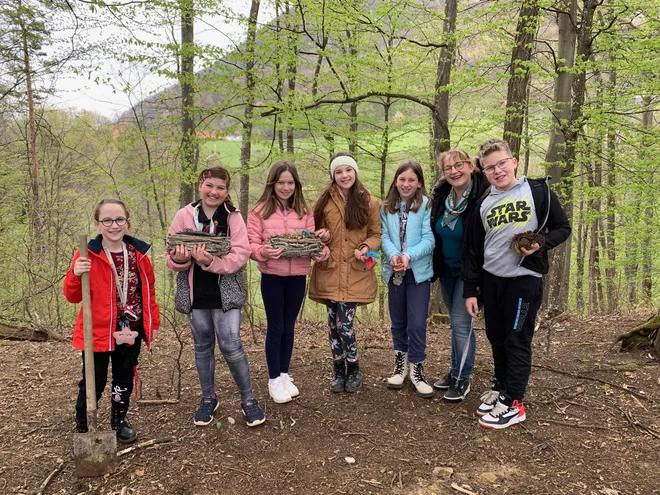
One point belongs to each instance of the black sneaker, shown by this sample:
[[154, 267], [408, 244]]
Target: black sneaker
[[81, 427], [253, 414], [444, 382], [458, 390], [489, 398], [204, 414], [506, 413]]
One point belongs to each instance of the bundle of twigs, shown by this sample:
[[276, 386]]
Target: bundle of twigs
[[296, 246], [215, 244]]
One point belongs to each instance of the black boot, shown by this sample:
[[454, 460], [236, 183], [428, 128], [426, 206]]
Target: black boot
[[339, 377], [119, 423], [81, 426], [354, 379]]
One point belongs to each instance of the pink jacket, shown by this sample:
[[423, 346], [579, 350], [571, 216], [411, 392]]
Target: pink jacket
[[259, 230], [238, 255]]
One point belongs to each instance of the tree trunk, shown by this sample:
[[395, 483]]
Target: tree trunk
[[440, 114], [521, 55], [610, 271], [246, 145], [648, 246], [631, 257], [291, 76], [37, 223], [189, 151], [579, 260], [561, 111]]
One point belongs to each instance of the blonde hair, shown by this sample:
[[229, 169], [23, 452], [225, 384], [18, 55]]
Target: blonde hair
[[492, 146]]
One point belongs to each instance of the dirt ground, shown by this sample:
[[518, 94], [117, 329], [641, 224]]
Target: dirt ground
[[592, 424]]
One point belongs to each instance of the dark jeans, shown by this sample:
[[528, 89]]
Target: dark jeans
[[343, 342], [510, 307], [208, 325], [463, 340], [123, 358], [409, 309], [282, 298]]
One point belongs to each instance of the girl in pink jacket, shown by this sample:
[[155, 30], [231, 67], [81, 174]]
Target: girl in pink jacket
[[216, 291], [281, 209]]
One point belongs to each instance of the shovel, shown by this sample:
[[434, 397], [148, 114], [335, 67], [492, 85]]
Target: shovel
[[94, 453]]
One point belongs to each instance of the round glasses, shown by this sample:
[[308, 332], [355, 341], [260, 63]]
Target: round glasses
[[458, 166], [501, 164], [107, 222]]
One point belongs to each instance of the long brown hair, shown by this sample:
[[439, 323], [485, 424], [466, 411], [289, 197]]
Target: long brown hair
[[356, 210], [268, 201], [392, 199], [216, 172]]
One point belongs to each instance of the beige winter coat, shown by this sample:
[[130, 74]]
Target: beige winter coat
[[342, 277]]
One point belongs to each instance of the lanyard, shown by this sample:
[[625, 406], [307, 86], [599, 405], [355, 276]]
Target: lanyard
[[199, 226], [122, 289]]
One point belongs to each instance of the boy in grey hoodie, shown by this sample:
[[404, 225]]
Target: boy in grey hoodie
[[510, 285]]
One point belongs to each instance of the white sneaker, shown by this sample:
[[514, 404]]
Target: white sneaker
[[400, 370], [278, 392], [422, 387], [288, 385], [488, 401]]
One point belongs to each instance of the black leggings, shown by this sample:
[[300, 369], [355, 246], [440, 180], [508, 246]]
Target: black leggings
[[123, 358]]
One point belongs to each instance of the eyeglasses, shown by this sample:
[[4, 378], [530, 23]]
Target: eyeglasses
[[501, 164], [458, 166], [107, 222]]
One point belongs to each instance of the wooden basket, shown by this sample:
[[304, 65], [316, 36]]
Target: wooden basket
[[296, 246], [215, 245]]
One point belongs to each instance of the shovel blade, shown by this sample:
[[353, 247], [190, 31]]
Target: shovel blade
[[94, 453]]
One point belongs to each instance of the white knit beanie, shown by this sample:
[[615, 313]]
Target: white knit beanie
[[342, 161]]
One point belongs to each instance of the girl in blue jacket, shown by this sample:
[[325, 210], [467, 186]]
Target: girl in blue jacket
[[407, 269]]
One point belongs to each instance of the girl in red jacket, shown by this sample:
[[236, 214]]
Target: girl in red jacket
[[124, 310], [216, 292], [281, 209]]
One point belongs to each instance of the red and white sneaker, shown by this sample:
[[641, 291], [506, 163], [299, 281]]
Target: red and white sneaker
[[505, 413]]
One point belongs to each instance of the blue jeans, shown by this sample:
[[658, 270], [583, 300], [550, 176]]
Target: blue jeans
[[463, 340], [207, 325], [409, 309], [282, 298]]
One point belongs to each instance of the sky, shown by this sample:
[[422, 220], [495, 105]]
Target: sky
[[93, 93]]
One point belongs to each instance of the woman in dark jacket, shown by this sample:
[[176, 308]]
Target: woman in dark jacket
[[462, 184]]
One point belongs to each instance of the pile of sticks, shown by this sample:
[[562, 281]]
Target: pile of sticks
[[215, 245], [296, 246]]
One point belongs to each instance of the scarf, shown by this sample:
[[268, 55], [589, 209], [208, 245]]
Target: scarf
[[454, 211]]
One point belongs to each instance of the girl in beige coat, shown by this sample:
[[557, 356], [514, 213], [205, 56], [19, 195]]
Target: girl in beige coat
[[348, 220]]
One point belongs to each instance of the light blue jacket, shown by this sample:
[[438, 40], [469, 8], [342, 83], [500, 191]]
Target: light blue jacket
[[419, 242]]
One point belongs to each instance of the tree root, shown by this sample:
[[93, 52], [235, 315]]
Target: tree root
[[643, 336]]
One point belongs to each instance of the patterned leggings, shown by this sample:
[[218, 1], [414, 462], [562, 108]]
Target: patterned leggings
[[343, 343]]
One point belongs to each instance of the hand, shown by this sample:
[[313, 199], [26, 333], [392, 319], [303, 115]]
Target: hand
[[323, 235], [200, 254], [154, 334], [395, 261], [472, 306], [82, 265], [405, 262], [180, 254], [534, 247], [359, 253], [271, 253]]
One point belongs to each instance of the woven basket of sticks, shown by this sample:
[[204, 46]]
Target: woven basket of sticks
[[296, 246], [215, 244]]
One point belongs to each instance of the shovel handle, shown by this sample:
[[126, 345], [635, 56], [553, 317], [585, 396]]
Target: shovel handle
[[90, 382]]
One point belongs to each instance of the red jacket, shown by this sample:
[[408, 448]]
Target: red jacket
[[104, 295]]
